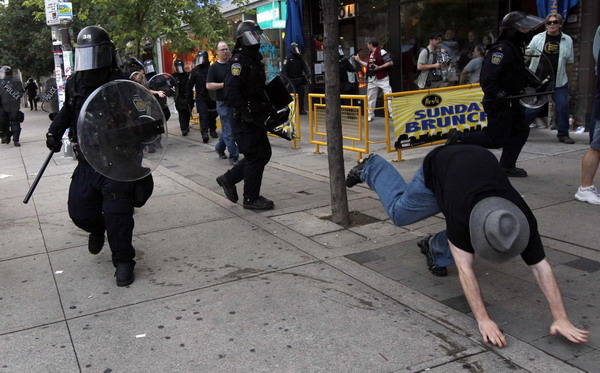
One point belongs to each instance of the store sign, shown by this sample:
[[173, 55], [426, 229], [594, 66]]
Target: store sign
[[348, 11], [272, 15]]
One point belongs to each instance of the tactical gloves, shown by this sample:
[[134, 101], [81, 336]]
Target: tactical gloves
[[52, 143]]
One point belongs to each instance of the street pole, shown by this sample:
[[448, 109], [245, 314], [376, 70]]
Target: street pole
[[58, 17]]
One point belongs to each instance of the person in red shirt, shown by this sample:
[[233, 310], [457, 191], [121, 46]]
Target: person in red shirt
[[378, 73]]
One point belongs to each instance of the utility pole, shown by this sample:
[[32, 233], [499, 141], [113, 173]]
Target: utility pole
[[58, 16], [335, 155]]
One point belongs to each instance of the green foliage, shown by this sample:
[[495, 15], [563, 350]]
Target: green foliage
[[25, 40]]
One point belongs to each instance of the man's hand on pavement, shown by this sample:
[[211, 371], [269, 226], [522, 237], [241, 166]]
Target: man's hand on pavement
[[491, 333], [569, 331]]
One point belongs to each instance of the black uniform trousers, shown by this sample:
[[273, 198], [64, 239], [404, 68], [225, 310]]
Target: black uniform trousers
[[208, 117], [97, 204], [9, 124], [506, 129], [254, 144], [298, 84], [184, 119]]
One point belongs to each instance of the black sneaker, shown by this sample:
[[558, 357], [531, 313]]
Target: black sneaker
[[229, 189], [185, 132], [222, 155], [353, 177], [426, 250], [95, 244], [514, 172], [205, 139], [261, 203], [214, 134], [124, 274]]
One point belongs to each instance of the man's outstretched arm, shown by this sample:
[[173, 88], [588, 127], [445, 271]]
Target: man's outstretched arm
[[545, 278], [487, 327]]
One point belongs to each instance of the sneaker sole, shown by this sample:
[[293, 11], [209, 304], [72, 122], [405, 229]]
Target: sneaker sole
[[583, 199]]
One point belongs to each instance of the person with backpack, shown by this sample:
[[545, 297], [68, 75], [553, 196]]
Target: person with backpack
[[430, 71]]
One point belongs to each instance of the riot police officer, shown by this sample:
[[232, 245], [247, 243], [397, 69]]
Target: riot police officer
[[244, 91], [298, 72], [11, 92], [504, 74], [181, 102], [96, 203], [205, 105]]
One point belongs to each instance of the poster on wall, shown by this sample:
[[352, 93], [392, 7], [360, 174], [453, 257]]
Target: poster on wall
[[422, 117]]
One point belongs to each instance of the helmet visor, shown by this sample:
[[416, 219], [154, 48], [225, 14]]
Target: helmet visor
[[250, 38], [528, 23], [149, 68], [201, 59], [94, 57]]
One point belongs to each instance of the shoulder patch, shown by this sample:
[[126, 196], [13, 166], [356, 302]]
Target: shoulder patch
[[236, 69], [497, 58]]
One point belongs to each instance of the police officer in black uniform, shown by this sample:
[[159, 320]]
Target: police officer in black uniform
[[96, 203], [298, 72], [504, 74], [244, 91], [11, 92], [205, 105], [181, 102]]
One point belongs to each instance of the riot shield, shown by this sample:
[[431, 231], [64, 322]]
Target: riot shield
[[166, 83], [540, 80], [121, 131], [11, 90]]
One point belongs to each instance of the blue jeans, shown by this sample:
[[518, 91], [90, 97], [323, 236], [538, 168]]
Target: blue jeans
[[406, 203], [226, 140], [561, 103]]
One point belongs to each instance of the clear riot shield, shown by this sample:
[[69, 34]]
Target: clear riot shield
[[121, 131], [281, 113], [168, 84], [11, 91], [541, 79]]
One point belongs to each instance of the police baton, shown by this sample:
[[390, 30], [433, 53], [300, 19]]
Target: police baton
[[38, 177], [522, 96]]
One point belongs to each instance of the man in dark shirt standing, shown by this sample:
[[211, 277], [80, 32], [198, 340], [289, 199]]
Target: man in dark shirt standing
[[215, 81], [504, 74], [485, 216]]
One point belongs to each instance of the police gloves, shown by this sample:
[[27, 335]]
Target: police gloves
[[500, 100], [52, 143]]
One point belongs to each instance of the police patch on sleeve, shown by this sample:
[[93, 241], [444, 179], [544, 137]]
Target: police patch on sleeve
[[236, 69], [497, 57]]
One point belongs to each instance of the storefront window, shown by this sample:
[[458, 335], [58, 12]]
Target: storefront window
[[463, 25]]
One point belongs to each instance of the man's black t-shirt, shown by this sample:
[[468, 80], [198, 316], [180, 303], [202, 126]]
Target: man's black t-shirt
[[216, 74], [462, 175], [552, 49]]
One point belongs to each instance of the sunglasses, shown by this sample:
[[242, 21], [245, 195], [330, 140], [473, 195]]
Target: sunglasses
[[552, 23]]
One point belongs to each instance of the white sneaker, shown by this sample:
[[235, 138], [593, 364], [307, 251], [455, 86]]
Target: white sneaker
[[589, 195]]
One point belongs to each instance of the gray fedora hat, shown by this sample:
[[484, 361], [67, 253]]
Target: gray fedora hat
[[499, 230]]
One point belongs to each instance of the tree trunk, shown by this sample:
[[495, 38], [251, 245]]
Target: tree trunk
[[335, 156]]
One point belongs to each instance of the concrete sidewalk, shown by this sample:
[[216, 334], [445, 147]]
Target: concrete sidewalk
[[223, 289]]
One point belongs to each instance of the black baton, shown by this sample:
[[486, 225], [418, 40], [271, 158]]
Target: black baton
[[38, 177]]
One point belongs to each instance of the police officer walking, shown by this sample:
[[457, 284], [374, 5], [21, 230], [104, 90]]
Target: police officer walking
[[11, 92], [298, 72], [181, 102], [244, 90], [504, 74], [96, 203], [205, 105]]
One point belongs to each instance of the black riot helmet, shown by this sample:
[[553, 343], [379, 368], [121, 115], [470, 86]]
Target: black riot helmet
[[249, 34], [294, 48], [521, 22], [149, 67], [202, 58], [179, 66], [94, 49], [132, 64], [5, 71]]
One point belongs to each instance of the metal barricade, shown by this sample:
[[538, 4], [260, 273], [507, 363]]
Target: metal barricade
[[355, 126]]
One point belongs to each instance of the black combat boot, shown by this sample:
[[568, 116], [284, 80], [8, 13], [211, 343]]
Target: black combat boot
[[95, 244], [261, 203], [229, 188], [124, 274]]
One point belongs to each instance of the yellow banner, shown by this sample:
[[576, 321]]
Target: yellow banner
[[426, 116]]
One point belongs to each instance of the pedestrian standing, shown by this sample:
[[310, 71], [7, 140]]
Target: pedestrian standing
[[32, 90], [215, 81]]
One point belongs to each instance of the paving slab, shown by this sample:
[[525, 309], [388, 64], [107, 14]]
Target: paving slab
[[20, 237], [42, 349], [312, 318], [170, 262], [28, 296]]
